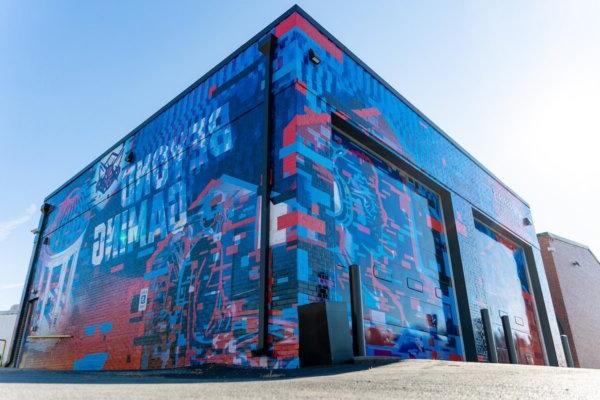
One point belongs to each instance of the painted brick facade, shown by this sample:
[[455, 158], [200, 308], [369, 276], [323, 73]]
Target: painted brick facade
[[150, 258]]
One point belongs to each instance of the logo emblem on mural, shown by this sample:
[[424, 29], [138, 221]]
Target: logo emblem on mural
[[106, 179], [108, 170]]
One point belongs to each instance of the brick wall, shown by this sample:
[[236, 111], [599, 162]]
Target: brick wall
[[574, 278]]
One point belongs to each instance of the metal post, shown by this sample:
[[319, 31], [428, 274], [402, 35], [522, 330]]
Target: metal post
[[567, 348], [267, 47], [489, 335], [358, 332], [510, 341], [3, 350]]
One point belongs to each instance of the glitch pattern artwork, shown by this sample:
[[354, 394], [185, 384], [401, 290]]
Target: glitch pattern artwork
[[391, 225], [343, 217], [508, 293], [150, 258]]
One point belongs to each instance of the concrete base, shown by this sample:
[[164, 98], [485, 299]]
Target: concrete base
[[409, 379], [376, 360]]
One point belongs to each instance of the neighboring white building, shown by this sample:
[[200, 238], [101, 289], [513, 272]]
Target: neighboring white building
[[7, 325]]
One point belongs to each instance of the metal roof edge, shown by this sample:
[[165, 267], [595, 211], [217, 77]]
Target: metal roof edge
[[563, 239], [569, 241], [205, 76], [246, 45], [405, 101]]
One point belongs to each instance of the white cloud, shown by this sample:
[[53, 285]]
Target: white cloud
[[6, 227], [11, 286]]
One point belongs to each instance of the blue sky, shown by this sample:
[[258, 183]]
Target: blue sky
[[517, 83]]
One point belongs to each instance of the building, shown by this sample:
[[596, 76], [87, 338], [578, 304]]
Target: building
[[195, 238], [573, 273], [7, 327]]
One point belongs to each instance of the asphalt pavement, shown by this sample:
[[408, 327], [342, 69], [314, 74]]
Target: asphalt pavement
[[398, 380]]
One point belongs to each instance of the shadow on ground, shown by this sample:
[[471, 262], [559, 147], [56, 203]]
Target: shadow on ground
[[205, 373]]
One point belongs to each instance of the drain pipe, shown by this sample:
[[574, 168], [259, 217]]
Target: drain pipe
[[567, 348], [510, 341], [21, 324], [267, 47], [489, 335], [358, 331]]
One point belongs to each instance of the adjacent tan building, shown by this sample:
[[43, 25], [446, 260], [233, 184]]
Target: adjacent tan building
[[573, 273], [7, 326]]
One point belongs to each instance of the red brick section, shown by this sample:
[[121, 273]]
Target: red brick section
[[556, 293], [574, 278]]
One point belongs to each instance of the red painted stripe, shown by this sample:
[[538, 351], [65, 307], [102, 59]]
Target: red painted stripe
[[298, 218], [367, 112], [227, 226], [289, 164], [435, 224], [211, 90], [290, 130], [296, 21], [231, 250], [117, 268], [363, 228], [461, 228], [301, 87]]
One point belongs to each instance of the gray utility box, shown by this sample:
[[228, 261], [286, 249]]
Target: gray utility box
[[325, 335]]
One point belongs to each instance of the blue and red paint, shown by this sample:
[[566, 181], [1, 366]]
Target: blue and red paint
[[155, 263]]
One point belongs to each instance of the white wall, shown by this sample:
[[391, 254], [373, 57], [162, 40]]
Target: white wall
[[7, 324]]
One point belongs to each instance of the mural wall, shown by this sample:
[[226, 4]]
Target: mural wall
[[152, 261], [307, 153], [508, 292], [392, 227], [151, 256]]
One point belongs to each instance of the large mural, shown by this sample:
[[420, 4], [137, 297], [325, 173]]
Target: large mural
[[509, 293], [339, 85], [392, 227], [150, 258]]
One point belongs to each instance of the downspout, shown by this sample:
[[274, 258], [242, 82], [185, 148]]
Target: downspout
[[19, 330], [267, 47]]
